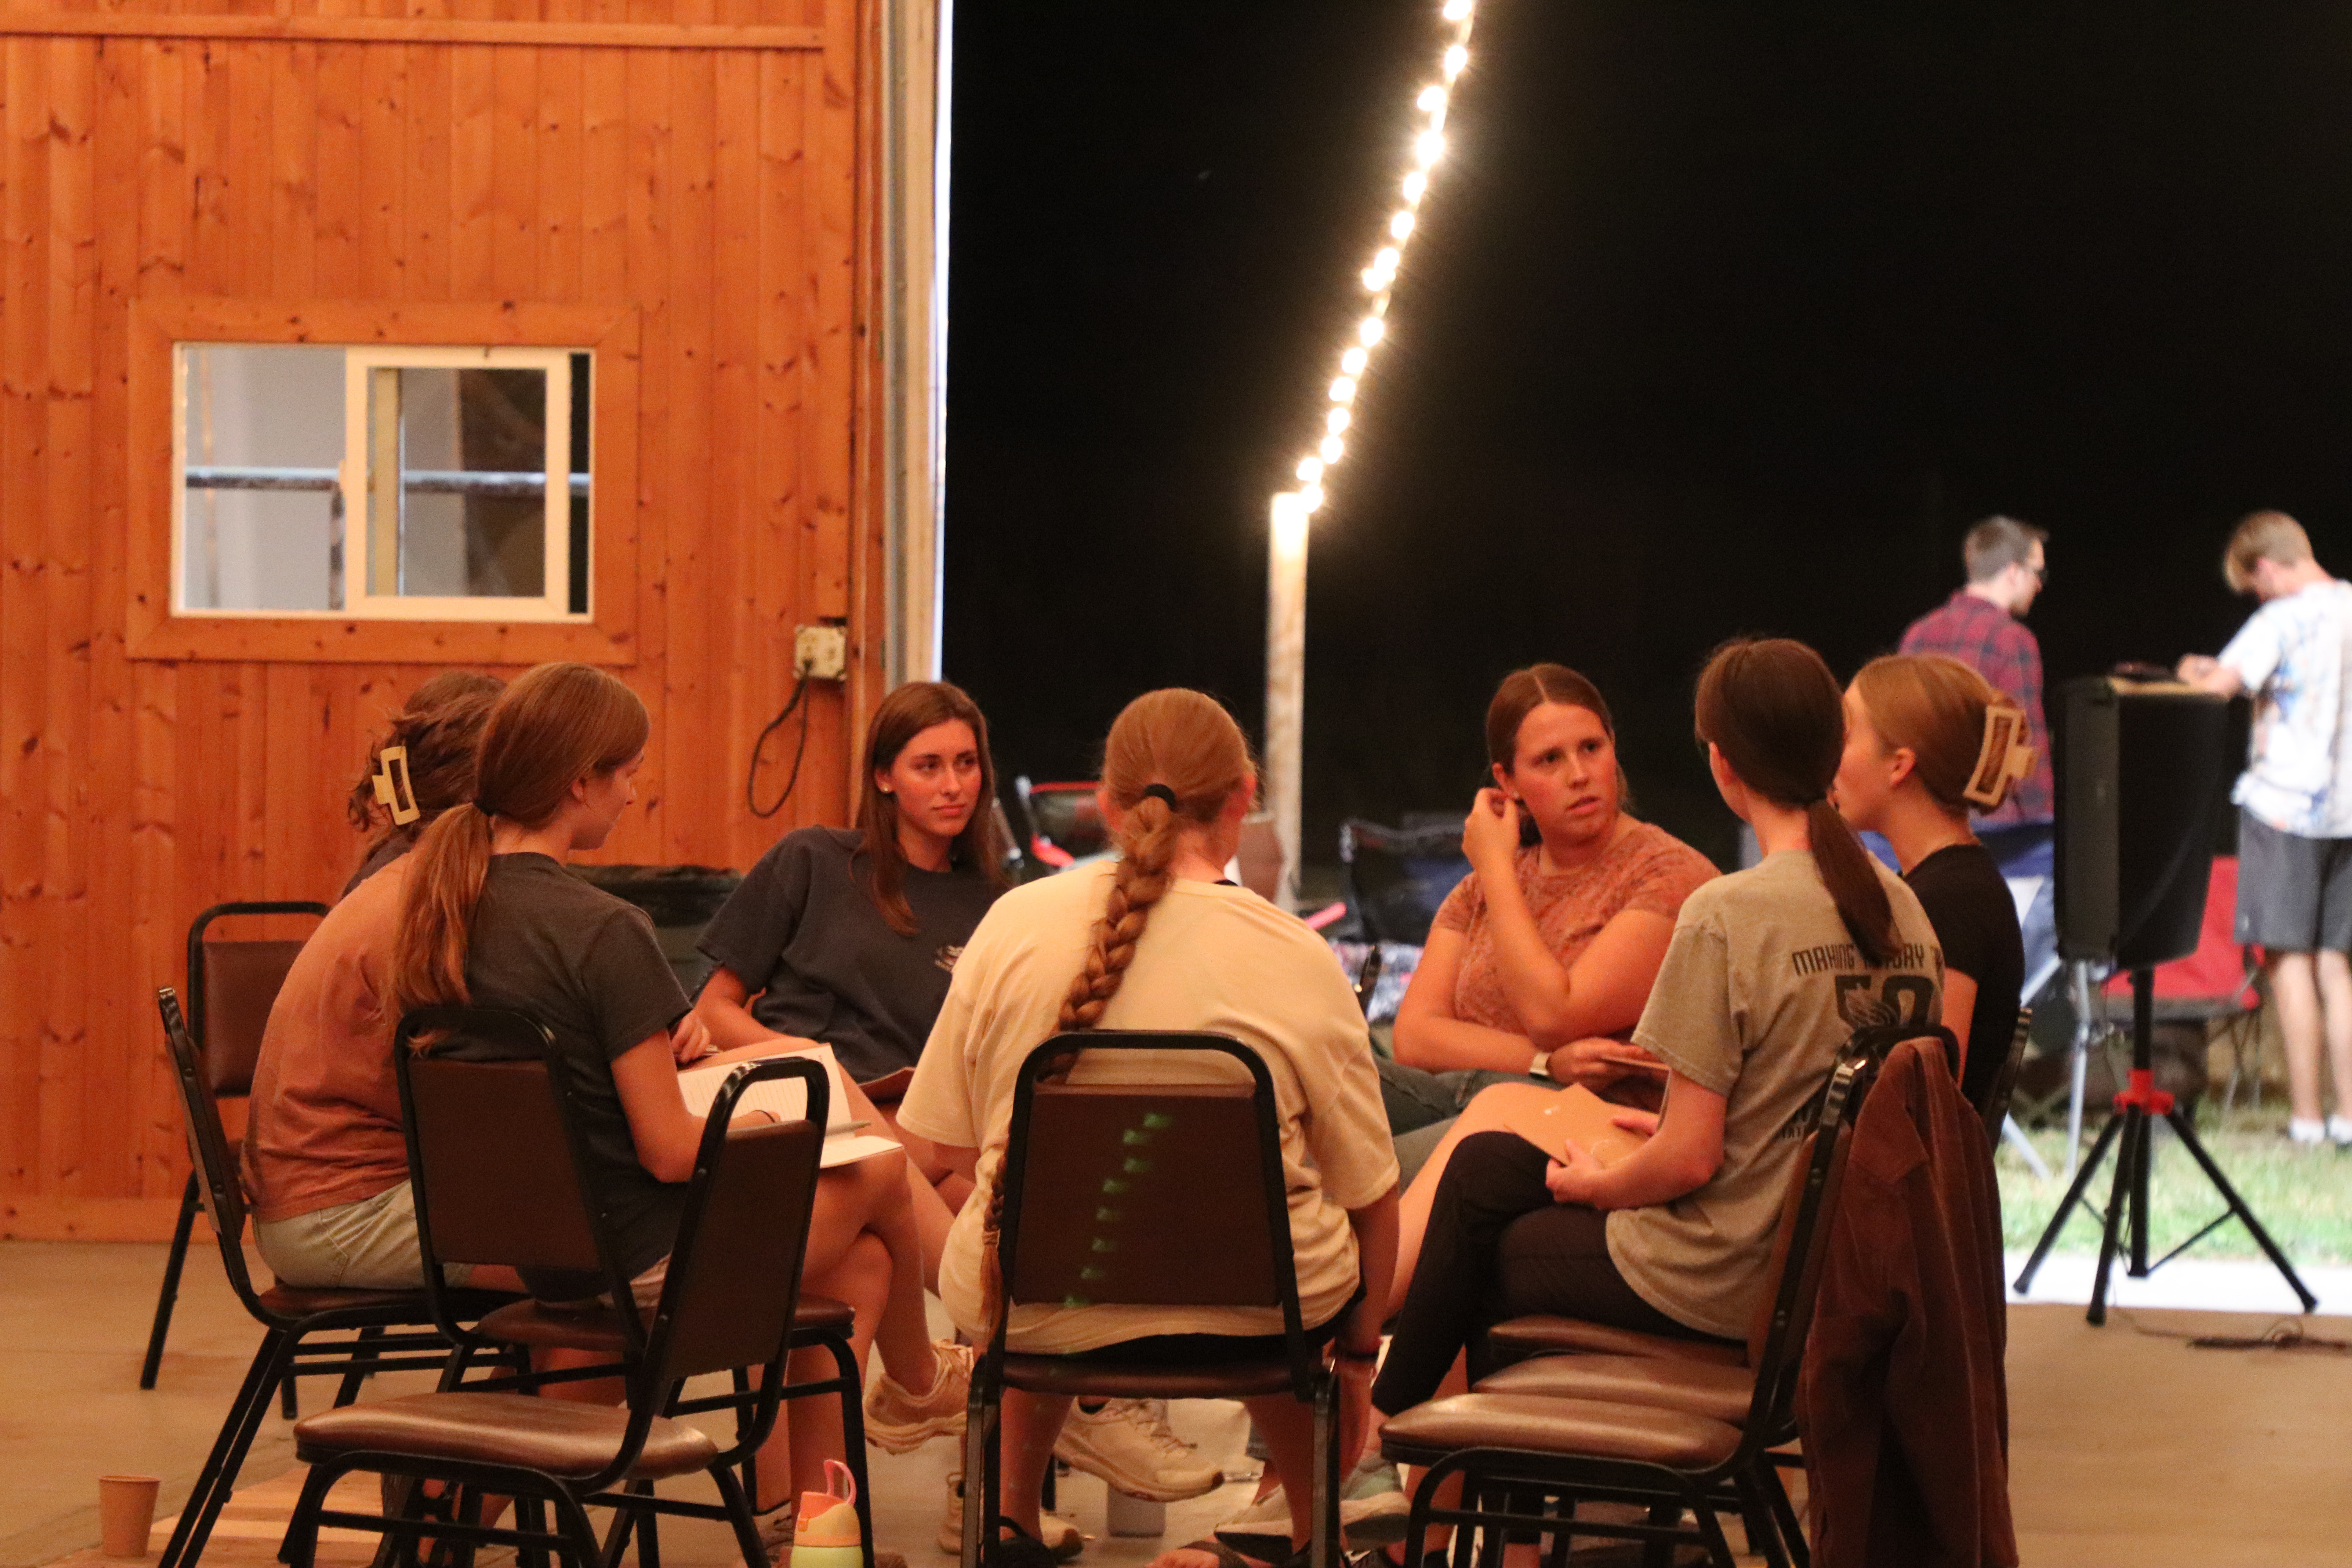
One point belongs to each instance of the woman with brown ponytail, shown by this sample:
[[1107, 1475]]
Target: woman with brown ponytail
[[490, 917], [324, 1160], [1160, 939], [1923, 732], [424, 764], [1769, 972]]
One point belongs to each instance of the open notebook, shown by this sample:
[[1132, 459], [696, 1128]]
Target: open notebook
[[845, 1140]]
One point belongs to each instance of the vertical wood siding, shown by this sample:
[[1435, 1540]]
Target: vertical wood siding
[[714, 190]]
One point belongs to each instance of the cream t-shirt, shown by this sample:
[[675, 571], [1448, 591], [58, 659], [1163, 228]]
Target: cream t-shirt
[[1212, 958]]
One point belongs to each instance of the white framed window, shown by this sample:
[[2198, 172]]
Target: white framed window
[[384, 482]]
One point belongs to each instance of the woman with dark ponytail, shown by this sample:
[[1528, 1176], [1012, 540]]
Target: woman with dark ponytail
[[490, 917], [1160, 939], [1769, 971]]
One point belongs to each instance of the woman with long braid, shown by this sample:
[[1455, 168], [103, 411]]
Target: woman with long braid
[[1160, 939]]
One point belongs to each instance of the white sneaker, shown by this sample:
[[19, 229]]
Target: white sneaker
[[1359, 1518], [1062, 1538], [2305, 1134], [1129, 1444], [2340, 1131]]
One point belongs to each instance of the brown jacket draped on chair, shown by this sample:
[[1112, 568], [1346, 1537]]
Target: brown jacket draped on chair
[[1902, 1400]]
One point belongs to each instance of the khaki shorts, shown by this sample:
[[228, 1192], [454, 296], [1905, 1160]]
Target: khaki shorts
[[369, 1245]]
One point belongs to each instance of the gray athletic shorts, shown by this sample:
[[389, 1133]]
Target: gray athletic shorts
[[2294, 894], [369, 1245]]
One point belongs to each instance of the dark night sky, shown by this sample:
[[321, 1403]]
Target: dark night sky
[[1722, 318]]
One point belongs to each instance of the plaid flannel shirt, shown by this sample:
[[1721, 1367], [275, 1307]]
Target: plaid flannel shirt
[[1996, 646]]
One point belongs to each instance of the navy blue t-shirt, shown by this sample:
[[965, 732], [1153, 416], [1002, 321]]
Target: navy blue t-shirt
[[804, 934]]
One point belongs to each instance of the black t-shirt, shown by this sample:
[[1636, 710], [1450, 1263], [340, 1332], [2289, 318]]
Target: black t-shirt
[[803, 930], [586, 965], [1975, 918]]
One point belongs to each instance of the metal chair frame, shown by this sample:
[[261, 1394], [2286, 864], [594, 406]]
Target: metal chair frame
[[1311, 1382], [652, 1375], [291, 1346], [1498, 1480], [168, 1295]]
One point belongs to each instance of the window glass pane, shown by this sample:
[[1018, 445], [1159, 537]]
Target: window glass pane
[[583, 407], [457, 468], [261, 528]]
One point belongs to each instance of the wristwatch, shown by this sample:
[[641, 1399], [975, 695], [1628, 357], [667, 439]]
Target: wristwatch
[[1541, 1066]]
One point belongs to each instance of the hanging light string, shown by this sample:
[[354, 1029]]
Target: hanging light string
[[1378, 277]]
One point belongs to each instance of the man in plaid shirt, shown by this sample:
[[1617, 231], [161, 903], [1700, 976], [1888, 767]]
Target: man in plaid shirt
[[1981, 626]]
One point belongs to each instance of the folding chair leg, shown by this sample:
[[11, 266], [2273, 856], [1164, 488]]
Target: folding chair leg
[[169, 1295], [853, 1433], [362, 1369], [1756, 1519], [980, 1429], [1323, 1541], [218, 1477], [1719, 1547], [1784, 1515], [739, 1514], [301, 1547], [579, 1535], [1661, 1553]]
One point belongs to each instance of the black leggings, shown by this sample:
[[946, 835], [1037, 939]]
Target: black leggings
[[1499, 1246]]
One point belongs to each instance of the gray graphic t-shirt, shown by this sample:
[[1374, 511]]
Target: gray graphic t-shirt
[[1760, 987]]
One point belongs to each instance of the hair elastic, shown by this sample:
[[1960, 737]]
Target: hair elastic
[[2003, 757], [1161, 792], [392, 788]]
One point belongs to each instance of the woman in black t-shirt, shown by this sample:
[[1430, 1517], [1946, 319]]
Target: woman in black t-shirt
[[849, 937], [489, 917], [1928, 737]]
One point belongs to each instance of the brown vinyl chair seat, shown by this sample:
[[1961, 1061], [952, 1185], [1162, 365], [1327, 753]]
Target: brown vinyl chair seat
[[1694, 1387], [554, 1437], [1541, 1424], [1094, 1378], [1545, 1335]]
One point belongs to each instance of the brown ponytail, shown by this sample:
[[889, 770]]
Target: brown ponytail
[[441, 729], [557, 723], [1774, 711], [1173, 759], [1934, 707]]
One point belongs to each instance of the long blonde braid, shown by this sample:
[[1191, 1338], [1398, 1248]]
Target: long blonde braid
[[1173, 759]]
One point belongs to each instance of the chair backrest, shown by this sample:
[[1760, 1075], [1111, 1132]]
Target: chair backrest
[[492, 1163], [1397, 877], [2002, 1086], [734, 1278], [1148, 1193], [218, 1184], [232, 984], [1777, 1351]]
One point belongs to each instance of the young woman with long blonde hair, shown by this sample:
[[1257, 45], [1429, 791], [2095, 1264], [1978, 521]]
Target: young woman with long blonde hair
[[1920, 731], [1160, 939]]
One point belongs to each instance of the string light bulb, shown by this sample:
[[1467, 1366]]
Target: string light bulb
[[1432, 100]]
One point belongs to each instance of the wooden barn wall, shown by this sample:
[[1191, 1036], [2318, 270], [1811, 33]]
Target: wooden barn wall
[[445, 153]]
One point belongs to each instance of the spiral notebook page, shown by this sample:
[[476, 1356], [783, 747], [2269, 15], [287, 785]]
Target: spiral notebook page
[[787, 1101]]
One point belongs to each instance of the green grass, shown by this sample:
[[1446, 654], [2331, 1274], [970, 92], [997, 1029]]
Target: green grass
[[2303, 1197]]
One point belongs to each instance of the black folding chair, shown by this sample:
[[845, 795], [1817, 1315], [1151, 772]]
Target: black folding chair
[[1680, 1436], [727, 1302], [1147, 1194], [232, 984], [489, 1139], [308, 1333]]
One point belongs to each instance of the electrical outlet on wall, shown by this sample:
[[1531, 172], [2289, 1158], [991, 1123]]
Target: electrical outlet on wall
[[821, 653]]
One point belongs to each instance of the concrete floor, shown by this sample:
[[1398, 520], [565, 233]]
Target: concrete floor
[[2128, 1446]]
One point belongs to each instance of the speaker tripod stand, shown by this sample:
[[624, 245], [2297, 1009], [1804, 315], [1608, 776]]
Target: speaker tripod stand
[[2131, 1132]]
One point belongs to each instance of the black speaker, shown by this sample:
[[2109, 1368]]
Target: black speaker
[[2143, 775]]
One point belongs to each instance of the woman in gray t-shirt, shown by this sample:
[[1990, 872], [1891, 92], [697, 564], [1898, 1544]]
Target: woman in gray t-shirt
[[489, 917], [1769, 972]]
